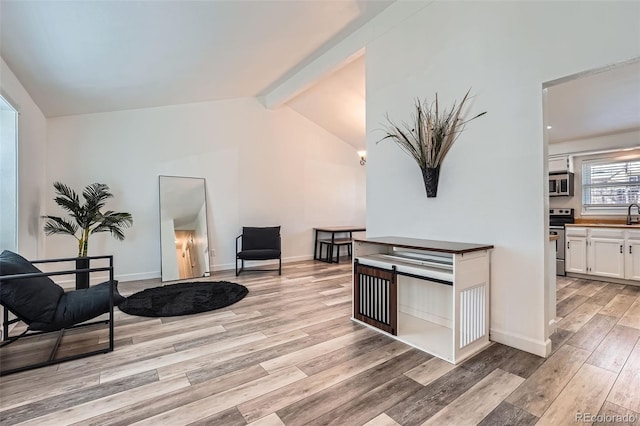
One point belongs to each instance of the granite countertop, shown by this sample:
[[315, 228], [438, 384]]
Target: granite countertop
[[432, 245]]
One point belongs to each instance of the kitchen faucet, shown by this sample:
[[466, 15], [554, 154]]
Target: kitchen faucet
[[633, 220]]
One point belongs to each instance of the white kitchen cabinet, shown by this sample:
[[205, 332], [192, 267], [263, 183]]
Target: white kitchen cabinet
[[560, 163], [576, 250], [606, 257], [604, 252], [576, 254], [632, 256]]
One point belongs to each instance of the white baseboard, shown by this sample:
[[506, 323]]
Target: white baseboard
[[259, 263], [138, 276], [70, 283], [537, 347], [553, 326], [605, 279], [99, 278]]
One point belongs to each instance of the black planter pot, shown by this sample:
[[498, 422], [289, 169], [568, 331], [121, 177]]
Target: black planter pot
[[431, 175], [82, 278]]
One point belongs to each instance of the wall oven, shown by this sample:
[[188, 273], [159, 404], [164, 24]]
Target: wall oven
[[560, 184], [557, 219]]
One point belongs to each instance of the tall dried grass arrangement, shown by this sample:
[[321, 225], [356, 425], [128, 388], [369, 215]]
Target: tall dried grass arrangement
[[431, 135]]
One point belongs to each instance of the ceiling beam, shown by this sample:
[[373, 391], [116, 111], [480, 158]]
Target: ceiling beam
[[352, 47]]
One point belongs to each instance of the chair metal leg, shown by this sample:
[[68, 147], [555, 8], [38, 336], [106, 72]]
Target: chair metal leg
[[280, 266], [5, 324], [239, 271], [52, 355]]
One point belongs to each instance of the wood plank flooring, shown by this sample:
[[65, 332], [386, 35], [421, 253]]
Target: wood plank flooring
[[288, 354]]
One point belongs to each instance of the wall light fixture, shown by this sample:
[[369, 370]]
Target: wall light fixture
[[363, 157]]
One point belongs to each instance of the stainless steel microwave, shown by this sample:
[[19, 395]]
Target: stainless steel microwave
[[561, 184]]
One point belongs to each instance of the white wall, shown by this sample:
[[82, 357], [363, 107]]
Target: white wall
[[31, 164], [492, 186], [261, 167]]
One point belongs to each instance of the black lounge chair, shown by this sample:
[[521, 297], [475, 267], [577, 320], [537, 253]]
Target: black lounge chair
[[45, 307], [259, 244]]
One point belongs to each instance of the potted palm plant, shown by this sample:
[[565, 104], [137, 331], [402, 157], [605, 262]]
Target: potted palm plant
[[87, 218], [429, 137]]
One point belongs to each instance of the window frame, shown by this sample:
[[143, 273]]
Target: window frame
[[604, 209]]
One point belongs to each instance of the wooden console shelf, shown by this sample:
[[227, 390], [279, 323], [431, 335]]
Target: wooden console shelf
[[433, 295]]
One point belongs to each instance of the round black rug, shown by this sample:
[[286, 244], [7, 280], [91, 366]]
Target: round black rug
[[183, 299]]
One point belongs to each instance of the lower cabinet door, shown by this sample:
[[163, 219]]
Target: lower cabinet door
[[576, 254], [632, 260], [606, 257], [375, 297]]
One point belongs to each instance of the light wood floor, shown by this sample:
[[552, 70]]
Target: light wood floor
[[288, 354]]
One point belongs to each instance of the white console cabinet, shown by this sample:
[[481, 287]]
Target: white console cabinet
[[433, 295]]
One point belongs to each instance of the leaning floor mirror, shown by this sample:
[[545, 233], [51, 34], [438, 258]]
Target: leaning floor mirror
[[184, 236]]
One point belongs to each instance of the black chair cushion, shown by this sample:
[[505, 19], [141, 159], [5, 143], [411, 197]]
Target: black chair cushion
[[260, 254], [261, 238], [81, 305], [33, 300]]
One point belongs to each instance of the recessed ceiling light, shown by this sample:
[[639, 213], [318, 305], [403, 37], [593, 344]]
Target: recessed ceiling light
[[549, 127]]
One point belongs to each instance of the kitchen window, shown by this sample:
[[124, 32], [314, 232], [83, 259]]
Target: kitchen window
[[610, 184]]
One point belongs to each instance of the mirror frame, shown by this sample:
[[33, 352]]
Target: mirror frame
[[200, 256]]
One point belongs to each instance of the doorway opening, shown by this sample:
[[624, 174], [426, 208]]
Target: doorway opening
[[592, 145]]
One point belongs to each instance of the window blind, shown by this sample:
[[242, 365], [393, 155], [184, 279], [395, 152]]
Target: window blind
[[610, 183]]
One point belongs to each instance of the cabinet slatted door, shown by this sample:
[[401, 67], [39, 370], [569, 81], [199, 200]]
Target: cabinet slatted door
[[375, 297], [472, 315]]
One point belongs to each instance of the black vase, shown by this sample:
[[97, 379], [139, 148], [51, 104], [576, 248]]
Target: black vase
[[82, 278], [431, 175]]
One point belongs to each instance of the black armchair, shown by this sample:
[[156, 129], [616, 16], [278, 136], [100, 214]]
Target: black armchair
[[258, 244], [45, 307]]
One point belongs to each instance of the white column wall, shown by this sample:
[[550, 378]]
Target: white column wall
[[492, 184], [8, 180], [262, 168], [32, 151]]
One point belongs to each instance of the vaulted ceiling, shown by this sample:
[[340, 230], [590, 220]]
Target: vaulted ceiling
[[77, 57], [338, 103], [595, 103]]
